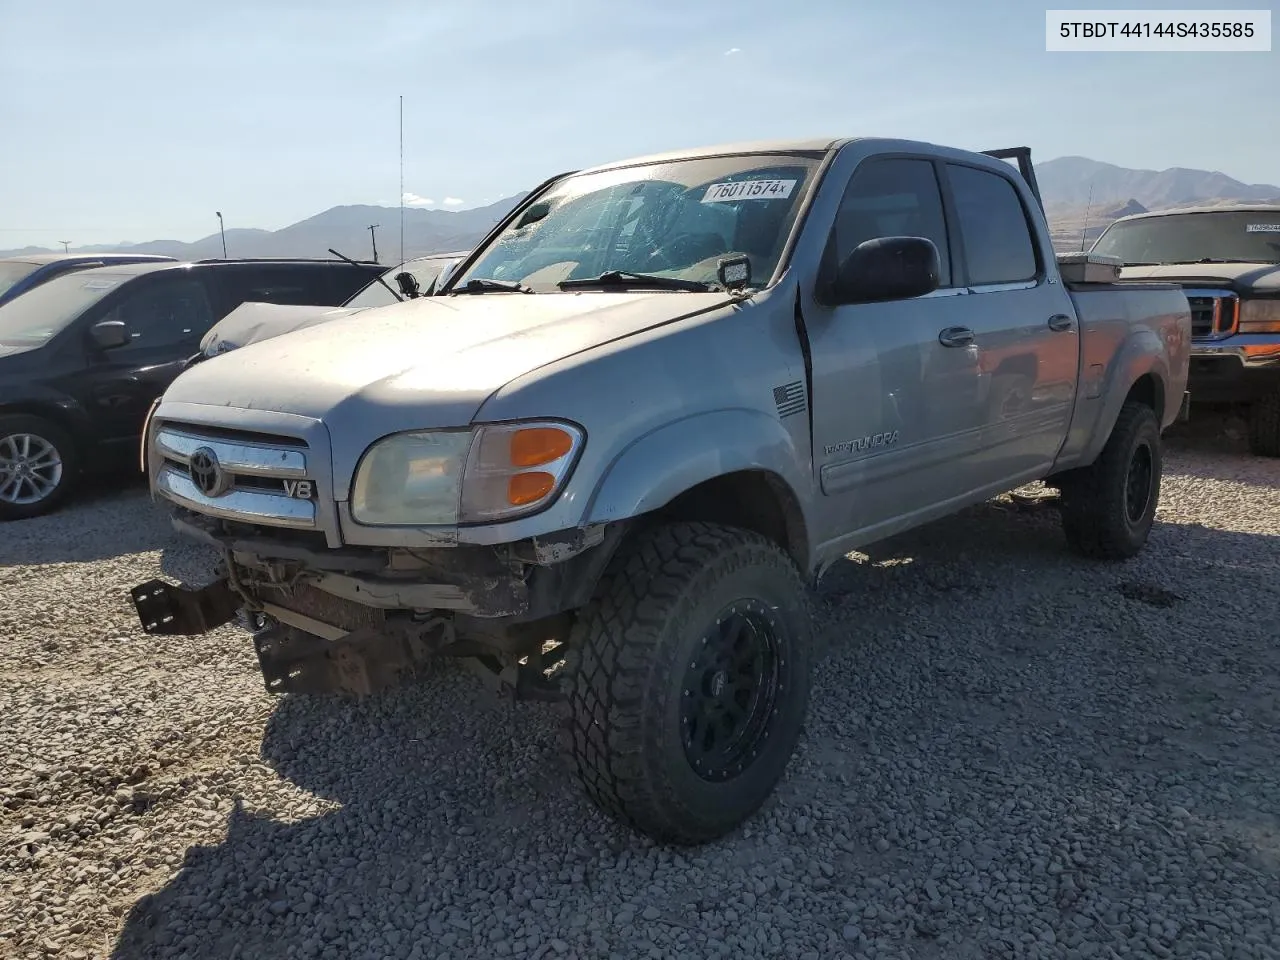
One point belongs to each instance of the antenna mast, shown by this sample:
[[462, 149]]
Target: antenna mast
[[402, 178]]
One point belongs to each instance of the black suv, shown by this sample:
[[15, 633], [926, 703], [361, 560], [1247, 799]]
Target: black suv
[[84, 356]]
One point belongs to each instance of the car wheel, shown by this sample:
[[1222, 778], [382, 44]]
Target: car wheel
[[688, 678], [37, 466], [1108, 507]]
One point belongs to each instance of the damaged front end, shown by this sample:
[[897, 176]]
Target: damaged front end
[[360, 620]]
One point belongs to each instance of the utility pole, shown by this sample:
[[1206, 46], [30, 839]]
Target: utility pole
[[222, 231], [374, 237], [402, 178], [66, 246]]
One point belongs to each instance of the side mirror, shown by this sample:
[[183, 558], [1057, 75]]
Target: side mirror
[[887, 268], [109, 334], [408, 284]]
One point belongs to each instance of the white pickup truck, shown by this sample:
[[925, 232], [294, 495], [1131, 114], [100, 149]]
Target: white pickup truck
[[605, 462]]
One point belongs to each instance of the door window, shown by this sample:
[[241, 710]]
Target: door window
[[893, 197], [164, 313], [998, 246]]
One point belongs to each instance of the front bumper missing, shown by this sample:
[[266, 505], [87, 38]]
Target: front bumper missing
[[296, 653], [362, 662], [176, 611]]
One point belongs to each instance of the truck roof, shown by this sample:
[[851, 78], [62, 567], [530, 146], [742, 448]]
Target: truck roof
[[810, 145], [815, 145], [1223, 208]]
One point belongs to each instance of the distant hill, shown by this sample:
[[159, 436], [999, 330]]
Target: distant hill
[[1076, 181], [1082, 197], [346, 229]]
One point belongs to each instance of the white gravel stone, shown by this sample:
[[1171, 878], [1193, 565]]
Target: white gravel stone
[[1011, 753]]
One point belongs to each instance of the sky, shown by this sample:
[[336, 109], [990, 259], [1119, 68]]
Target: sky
[[136, 120]]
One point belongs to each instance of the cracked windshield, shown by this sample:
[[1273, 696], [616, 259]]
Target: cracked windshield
[[672, 220]]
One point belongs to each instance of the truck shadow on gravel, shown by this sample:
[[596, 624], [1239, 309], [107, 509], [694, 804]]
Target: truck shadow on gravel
[[1073, 685], [107, 517]]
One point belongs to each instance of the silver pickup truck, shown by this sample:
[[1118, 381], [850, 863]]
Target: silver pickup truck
[[640, 420]]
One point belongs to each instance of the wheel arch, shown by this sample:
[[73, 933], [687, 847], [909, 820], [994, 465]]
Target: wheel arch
[[733, 467], [58, 415]]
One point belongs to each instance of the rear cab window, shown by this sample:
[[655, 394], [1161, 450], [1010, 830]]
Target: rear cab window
[[998, 244]]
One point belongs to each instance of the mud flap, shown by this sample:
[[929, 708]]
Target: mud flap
[[166, 609], [1184, 411]]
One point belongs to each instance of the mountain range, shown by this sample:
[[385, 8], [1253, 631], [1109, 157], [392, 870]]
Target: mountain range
[[1081, 197], [345, 229]]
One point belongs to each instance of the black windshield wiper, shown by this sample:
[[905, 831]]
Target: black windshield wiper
[[485, 285], [378, 277], [622, 278], [1221, 260]]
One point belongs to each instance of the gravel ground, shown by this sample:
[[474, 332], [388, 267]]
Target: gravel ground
[[1011, 753]]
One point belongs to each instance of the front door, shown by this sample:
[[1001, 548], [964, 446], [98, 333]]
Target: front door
[[897, 415], [165, 318]]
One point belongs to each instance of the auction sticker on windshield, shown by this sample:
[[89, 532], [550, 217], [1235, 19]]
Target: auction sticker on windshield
[[749, 190], [1262, 228]]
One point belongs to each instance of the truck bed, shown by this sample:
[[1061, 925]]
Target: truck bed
[[1119, 323]]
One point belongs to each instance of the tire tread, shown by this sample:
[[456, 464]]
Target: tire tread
[[619, 639]]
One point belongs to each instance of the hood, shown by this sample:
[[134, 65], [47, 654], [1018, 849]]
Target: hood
[[429, 362], [1262, 278], [251, 322], [14, 349]]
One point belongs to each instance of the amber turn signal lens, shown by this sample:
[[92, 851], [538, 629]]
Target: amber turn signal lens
[[526, 488], [538, 445]]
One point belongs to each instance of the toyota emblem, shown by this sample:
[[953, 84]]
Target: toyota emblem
[[206, 473]]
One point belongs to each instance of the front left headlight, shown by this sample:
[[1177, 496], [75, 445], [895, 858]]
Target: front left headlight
[[437, 477]]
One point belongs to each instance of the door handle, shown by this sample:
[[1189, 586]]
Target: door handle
[[1059, 322], [956, 337]]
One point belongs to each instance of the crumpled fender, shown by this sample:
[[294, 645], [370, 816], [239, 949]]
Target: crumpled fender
[[659, 466]]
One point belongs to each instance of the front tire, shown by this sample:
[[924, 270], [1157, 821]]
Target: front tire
[[1108, 507], [37, 466], [689, 678], [1264, 425]]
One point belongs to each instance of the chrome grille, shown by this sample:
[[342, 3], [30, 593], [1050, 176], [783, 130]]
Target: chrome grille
[[236, 475], [1213, 313]]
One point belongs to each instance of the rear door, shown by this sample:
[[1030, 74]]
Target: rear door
[[1023, 324], [897, 419], [165, 314]]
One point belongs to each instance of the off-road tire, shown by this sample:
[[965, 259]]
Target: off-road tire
[[1264, 425], [1095, 499], [629, 652], [60, 440]]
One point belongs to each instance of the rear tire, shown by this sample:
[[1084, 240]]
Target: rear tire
[[688, 678], [1264, 425], [38, 466], [1109, 506]]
